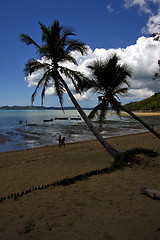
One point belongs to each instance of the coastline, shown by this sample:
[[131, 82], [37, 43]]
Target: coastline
[[107, 206], [138, 113], [55, 145], [36, 133]]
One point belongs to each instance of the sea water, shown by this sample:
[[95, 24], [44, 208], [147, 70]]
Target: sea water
[[22, 129]]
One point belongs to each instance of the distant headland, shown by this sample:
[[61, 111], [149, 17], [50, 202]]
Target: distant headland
[[151, 104], [37, 108]]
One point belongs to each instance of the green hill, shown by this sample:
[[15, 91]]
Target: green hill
[[149, 104]]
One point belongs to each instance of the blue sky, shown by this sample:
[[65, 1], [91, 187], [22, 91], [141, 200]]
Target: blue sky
[[121, 26]]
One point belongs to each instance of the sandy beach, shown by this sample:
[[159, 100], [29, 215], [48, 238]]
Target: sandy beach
[[103, 207], [143, 113]]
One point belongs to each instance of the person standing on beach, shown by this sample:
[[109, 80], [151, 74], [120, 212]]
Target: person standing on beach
[[59, 140], [63, 141]]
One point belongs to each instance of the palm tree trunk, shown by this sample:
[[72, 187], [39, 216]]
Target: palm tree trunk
[[113, 152], [140, 120]]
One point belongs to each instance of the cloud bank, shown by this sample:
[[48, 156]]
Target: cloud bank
[[141, 57]]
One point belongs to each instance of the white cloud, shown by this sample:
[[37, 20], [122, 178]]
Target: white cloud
[[34, 78], [153, 24], [141, 57], [141, 93], [109, 7], [142, 4], [85, 96], [50, 91], [151, 7]]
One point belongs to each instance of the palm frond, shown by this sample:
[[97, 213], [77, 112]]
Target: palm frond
[[121, 91], [67, 57], [115, 107], [76, 45], [78, 79], [44, 87], [94, 112], [100, 110], [45, 31], [56, 28], [70, 75], [58, 87], [104, 108], [40, 83], [87, 84], [28, 40], [66, 33], [33, 65]]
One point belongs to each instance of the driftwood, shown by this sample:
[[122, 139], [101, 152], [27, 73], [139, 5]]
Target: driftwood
[[154, 194]]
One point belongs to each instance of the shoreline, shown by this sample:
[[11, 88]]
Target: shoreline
[[84, 141], [139, 113], [14, 138]]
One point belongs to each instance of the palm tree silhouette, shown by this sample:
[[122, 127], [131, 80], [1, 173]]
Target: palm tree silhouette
[[57, 44], [110, 80]]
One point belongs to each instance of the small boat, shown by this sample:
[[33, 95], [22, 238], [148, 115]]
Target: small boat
[[48, 120], [61, 118], [75, 118]]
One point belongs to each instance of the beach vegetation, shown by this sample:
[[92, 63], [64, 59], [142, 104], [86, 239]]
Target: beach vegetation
[[15, 197], [129, 156], [67, 181], [58, 44], [109, 79], [28, 227]]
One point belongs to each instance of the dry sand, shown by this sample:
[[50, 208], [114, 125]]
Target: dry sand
[[143, 113], [104, 207]]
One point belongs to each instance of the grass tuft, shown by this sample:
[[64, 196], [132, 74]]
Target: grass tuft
[[128, 157]]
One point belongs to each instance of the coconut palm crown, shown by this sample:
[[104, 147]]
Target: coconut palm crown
[[109, 79], [56, 47]]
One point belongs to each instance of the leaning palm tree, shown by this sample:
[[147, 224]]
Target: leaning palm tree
[[56, 48], [110, 80]]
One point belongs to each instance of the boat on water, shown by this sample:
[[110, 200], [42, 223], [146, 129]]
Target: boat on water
[[75, 118], [61, 118], [48, 120]]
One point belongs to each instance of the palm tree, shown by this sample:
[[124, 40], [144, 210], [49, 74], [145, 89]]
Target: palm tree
[[110, 80], [57, 44]]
